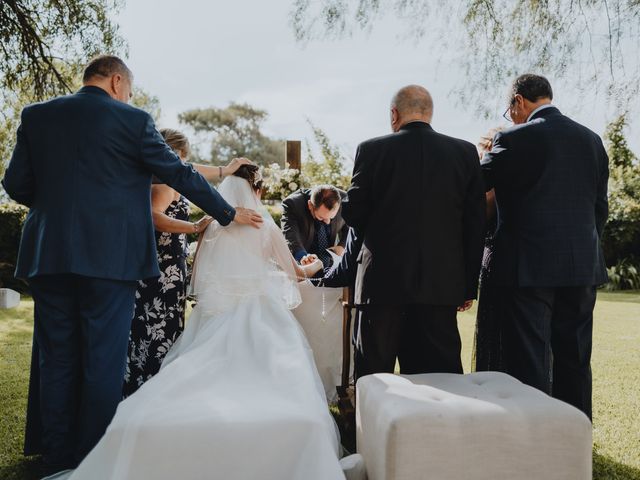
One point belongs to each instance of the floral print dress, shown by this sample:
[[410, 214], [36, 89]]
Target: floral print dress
[[487, 346], [158, 320]]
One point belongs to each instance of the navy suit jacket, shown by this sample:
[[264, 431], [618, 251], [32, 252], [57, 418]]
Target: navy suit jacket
[[83, 165], [550, 178]]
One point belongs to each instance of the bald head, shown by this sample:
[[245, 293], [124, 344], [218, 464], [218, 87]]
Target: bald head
[[410, 104]]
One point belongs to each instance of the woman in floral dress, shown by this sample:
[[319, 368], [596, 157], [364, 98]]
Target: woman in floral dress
[[487, 344], [159, 313]]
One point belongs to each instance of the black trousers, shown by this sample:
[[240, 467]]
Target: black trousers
[[547, 340], [424, 339]]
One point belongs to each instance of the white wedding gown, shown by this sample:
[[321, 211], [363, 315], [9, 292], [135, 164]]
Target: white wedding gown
[[238, 396], [323, 332]]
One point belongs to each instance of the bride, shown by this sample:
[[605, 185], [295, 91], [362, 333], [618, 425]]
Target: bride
[[238, 396]]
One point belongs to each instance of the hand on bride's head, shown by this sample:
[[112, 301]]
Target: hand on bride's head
[[235, 164]]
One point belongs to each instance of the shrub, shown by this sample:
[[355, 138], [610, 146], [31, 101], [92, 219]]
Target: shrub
[[12, 217], [280, 182], [276, 212], [621, 236], [624, 275]]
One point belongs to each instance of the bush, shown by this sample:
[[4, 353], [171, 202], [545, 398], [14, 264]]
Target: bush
[[276, 212], [625, 275], [280, 182], [12, 217], [621, 236]]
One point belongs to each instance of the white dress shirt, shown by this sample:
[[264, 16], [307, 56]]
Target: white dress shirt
[[541, 107]]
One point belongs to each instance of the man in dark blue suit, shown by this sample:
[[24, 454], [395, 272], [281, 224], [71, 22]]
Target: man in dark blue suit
[[83, 165], [344, 273], [550, 178]]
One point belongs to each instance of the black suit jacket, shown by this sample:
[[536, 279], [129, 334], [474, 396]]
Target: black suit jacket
[[83, 164], [299, 227], [550, 178], [417, 197]]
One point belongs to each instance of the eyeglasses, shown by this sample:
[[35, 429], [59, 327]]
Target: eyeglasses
[[507, 113]]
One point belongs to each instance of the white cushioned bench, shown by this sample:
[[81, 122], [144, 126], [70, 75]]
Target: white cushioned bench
[[484, 425]]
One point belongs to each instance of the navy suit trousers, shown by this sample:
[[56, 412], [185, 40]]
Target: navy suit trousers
[[81, 330]]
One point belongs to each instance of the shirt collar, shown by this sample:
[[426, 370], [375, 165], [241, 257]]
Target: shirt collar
[[541, 107]]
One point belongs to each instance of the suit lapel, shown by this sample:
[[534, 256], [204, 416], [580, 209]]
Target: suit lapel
[[334, 230], [311, 229]]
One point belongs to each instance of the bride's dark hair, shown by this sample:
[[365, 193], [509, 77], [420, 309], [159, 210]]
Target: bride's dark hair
[[251, 173]]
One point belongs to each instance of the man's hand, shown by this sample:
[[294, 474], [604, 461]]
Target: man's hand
[[465, 306], [234, 165], [246, 216], [338, 250], [308, 259]]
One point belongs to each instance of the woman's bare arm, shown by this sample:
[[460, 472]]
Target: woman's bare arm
[[161, 197], [211, 172]]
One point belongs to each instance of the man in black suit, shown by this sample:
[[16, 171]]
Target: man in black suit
[[550, 178], [417, 199], [83, 165], [312, 223]]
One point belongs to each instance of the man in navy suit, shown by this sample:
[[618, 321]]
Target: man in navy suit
[[550, 178], [83, 165]]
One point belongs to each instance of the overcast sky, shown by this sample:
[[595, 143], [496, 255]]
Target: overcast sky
[[195, 53]]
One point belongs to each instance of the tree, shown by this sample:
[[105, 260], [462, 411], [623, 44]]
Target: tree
[[495, 40], [235, 131], [43, 41], [621, 238], [42, 49], [620, 155], [280, 182], [331, 168], [147, 102]]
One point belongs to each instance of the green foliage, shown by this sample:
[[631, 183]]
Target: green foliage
[[43, 48], [621, 237], [12, 217], [281, 182], [330, 170], [235, 131], [495, 40], [147, 102], [624, 275], [276, 212], [41, 41], [8, 129], [620, 155]]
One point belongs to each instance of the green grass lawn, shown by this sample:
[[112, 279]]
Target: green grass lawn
[[616, 374]]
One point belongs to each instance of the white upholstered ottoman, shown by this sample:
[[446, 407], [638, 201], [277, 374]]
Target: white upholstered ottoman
[[484, 425]]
